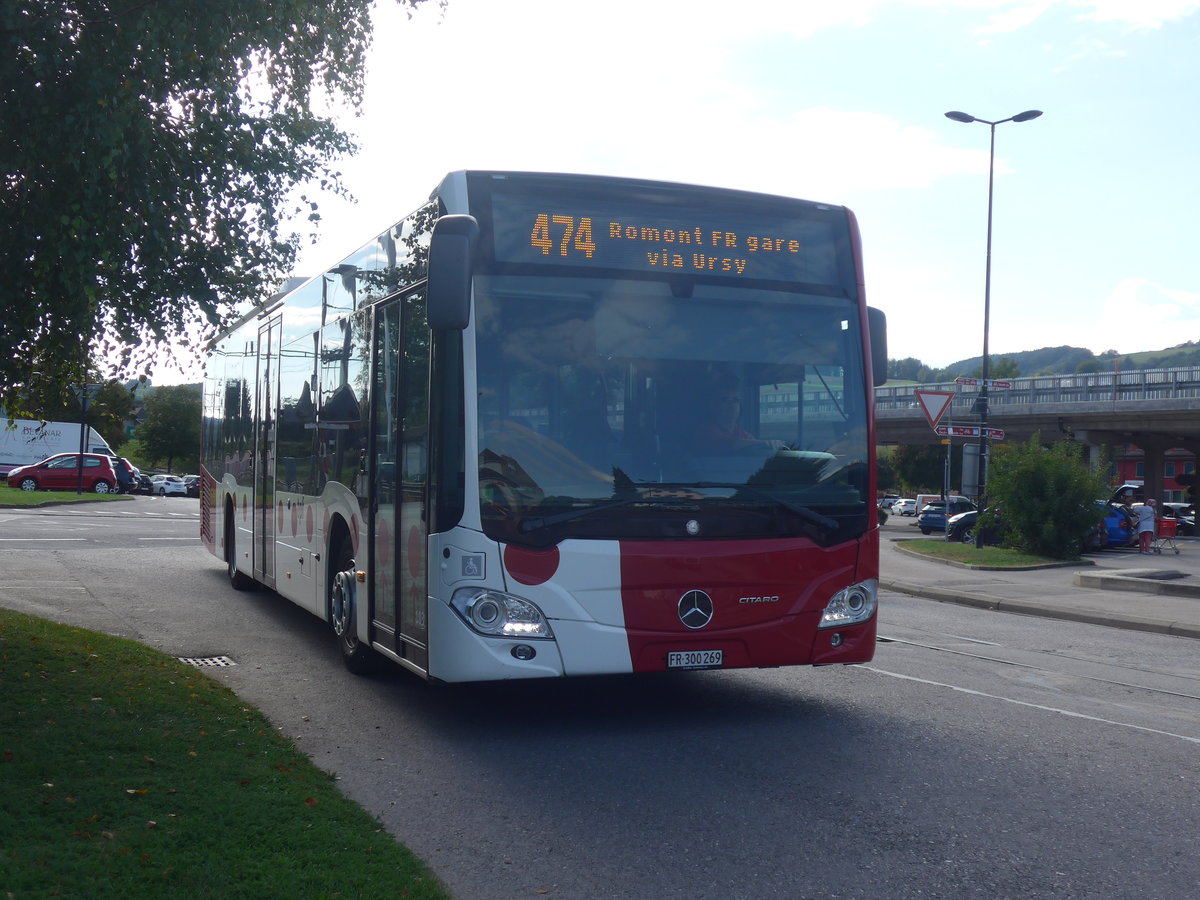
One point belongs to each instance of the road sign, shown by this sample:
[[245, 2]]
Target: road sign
[[994, 434], [992, 383], [934, 404]]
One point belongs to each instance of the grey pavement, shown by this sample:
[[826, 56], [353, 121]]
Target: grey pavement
[[1119, 588]]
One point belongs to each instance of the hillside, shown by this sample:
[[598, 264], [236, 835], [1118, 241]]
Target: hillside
[[1063, 360]]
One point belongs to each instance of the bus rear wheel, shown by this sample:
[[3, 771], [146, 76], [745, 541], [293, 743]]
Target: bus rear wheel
[[357, 656]]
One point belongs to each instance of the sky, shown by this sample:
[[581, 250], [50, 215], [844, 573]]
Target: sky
[[1095, 224]]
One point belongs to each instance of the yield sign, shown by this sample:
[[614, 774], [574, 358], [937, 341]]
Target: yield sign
[[934, 404]]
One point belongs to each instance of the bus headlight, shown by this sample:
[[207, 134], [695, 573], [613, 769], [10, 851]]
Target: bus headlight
[[500, 614], [851, 605]]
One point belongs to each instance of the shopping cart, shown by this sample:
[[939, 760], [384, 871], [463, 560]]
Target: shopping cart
[[1164, 535]]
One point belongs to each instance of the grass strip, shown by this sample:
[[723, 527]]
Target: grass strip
[[11, 496], [998, 557], [125, 773]]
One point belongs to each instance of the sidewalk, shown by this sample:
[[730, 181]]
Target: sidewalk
[[1117, 588]]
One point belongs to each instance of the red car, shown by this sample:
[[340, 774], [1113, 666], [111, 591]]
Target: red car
[[61, 473]]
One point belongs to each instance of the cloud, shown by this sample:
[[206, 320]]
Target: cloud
[[1138, 14], [1140, 314]]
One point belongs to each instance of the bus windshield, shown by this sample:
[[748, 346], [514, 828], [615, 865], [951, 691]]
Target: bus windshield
[[626, 408]]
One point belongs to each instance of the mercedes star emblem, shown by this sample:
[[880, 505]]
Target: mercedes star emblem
[[695, 609]]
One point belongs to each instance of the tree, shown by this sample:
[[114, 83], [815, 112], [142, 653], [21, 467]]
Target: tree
[[148, 149], [171, 429], [1046, 496], [1003, 368], [921, 467], [908, 369], [109, 408]]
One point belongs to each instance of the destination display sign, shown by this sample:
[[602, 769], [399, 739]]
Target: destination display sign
[[669, 238]]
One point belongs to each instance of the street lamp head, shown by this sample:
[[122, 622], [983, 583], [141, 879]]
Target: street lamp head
[[964, 117], [1027, 115]]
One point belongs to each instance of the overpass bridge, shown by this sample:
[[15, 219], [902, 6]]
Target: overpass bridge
[[1155, 409]]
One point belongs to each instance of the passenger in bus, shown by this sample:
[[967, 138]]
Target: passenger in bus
[[720, 433]]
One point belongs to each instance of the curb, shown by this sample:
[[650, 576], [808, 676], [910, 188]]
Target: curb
[[1033, 608], [46, 503], [1146, 584], [899, 545]]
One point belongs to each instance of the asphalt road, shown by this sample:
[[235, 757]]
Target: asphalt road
[[979, 755]]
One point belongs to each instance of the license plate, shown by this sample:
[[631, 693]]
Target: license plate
[[695, 659]]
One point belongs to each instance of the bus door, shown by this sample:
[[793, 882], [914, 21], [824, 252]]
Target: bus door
[[399, 524], [264, 454]]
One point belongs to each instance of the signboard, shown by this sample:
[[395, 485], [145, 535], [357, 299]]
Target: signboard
[[601, 226], [995, 434], [998, 385], [934, 404]]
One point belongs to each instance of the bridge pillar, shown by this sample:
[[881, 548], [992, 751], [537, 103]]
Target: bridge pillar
[[1099, 444], [1193, 448], [1155, 450]]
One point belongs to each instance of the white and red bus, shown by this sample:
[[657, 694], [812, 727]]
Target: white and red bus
[[557, 425]]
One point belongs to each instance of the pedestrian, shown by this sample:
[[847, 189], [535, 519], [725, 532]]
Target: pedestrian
[[1145, 523]]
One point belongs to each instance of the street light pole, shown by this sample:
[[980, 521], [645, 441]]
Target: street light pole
[[981, 403]]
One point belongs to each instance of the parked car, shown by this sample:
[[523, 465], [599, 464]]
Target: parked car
[[905, 507], [192, 483], [1184, 515], [962, 527], [887, 503], [1129, 492], [167, 484], [933, 516], [60, 472], [1117, 528], [126, 474], [144, 484]]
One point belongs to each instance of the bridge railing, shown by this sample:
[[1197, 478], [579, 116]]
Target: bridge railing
[[1098, 387]]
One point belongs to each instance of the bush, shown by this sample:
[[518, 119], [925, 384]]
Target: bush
[[1046, 496]]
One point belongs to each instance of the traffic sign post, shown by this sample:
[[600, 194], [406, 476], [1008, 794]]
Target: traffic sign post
[[934, 404], [991, 383], [995, 434]]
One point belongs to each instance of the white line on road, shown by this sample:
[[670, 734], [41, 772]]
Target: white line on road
[[39, 540], [1053, 709]]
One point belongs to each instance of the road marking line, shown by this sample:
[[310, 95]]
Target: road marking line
[[1053, 709], [40, 540]]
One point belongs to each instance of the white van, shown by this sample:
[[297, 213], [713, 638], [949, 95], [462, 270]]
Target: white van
[[24, 442]]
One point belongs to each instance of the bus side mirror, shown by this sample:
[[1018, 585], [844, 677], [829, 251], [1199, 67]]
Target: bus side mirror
[[451, 257], [877, 322]]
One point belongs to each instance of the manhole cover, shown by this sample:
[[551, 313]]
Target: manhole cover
[[202, 662]]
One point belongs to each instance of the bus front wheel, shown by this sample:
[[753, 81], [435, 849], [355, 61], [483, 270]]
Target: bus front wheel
[[358, 657]]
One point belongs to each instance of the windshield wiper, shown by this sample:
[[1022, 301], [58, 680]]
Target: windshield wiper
[[539, 522], [810, 516]]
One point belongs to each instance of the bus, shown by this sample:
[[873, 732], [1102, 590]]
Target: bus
[[481, 445]]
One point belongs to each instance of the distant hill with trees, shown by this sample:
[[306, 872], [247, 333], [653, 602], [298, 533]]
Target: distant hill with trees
[[1046, 361]]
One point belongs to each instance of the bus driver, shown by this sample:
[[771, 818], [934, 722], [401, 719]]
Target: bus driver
[[719, 433]]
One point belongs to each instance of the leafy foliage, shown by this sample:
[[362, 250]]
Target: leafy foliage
[[921, 468], [110, 406], [1046, 495], [170, 432], [147, 153], [999, 368]]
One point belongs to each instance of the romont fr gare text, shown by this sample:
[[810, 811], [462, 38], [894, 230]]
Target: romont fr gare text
[[671, 257]]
